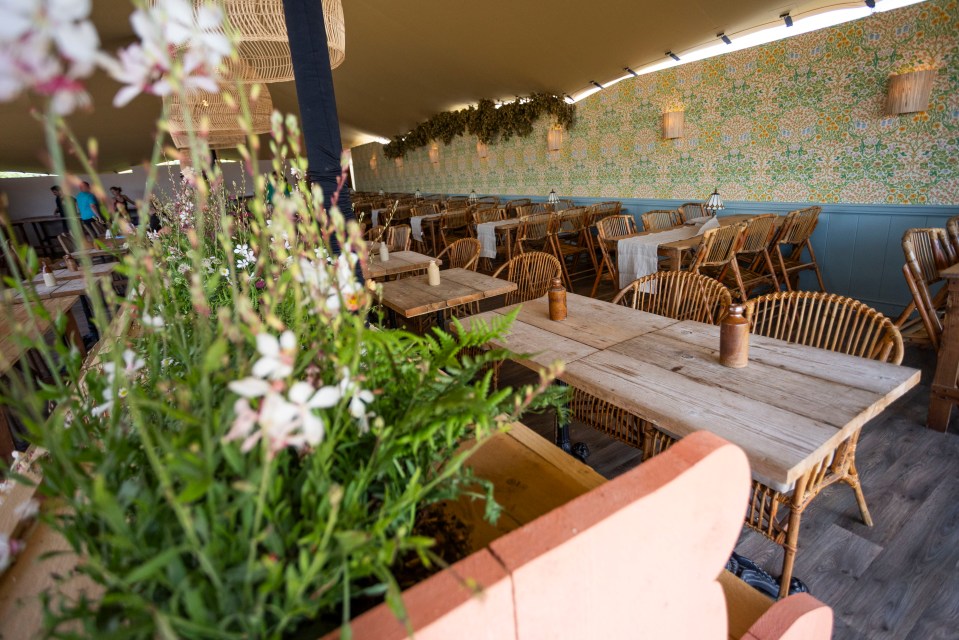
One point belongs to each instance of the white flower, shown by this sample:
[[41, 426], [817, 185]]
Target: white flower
[[176, 47], [359, 399], [245, 255], [224, 272], [183, 267], [250, 387], [132, 364], [26, 510], [166, 362], [306, 399], [243, 422], [277, 356], [154, 322], [47, 46], [8, 549]]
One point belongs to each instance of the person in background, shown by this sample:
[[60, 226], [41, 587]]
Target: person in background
[[125, 206], [61, 209], [89, 208]]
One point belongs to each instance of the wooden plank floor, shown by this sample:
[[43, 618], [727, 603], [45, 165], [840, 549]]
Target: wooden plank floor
[[897, 579]]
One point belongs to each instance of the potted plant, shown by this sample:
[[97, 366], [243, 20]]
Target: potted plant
[[245, 454]]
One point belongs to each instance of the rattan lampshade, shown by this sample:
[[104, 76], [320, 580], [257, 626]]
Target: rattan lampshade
[[554, 138], [217, 113], [482, 150], [262, 42]]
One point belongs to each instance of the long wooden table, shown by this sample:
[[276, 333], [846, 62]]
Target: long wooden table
[[788, 409], [945, 384]]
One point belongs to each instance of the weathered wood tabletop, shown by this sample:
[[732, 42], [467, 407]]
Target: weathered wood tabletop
[[17, 317], [63, 275], [789, 408], [399, 262], [411, 297], [65, 288]]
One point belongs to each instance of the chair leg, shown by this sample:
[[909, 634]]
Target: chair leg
[[772, 269], [739, 278], [782, 265], [815, 266], [852, 479]]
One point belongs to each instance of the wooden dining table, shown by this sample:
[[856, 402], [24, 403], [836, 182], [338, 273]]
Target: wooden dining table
[[63, 288], [19, 318], [400, 262], [413, 297], [789, 410]]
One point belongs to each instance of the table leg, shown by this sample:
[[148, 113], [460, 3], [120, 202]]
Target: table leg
[[791, 544], [944, 385]]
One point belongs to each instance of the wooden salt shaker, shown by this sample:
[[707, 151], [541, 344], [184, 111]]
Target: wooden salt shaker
[[557, 300], [433, 274], [734, 339]]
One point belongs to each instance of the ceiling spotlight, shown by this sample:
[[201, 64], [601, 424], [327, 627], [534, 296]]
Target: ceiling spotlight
[[628, 70], [787, 19], [724, 38], [672, 55], [595, 84]]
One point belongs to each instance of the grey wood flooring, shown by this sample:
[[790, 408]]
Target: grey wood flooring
[[897, 579]]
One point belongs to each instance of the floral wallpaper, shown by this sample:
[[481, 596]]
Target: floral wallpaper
[[797, 120]]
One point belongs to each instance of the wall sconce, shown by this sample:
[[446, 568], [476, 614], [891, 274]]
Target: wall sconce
[[435, 153], [909, 92], [673, 122], [373, 164], [482, 150], [554, 139], [398, 162]]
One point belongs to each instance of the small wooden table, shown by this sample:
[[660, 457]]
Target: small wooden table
[[399, 262], [945, 384], [62, 275], [412, 297], [48, 245], [66, 288], [17, 316]]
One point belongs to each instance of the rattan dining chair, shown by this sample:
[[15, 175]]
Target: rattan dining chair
[[796, 231], [755, 264], [660, 219], [716, 254], [692, 210], [952, 230], [926, 252], [399, 237], [455, 225], [607, 230], [568, 240], [563, 205], [512, 206], [533, 274], [461, 254], [487, 201], [533, 233], [594, 214], [493, 214], [825, 321], [531, 209]]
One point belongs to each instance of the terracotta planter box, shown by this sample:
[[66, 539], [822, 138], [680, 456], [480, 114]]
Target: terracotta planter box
[[635, 557]]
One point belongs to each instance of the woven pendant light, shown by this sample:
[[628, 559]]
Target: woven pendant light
[[263, 46], [217, 114]]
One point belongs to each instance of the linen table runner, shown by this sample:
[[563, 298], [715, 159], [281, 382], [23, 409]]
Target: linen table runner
[[637, 256], [416, 225], [486, 234]]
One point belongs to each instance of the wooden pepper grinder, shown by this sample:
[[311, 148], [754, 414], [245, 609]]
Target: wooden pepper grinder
[[734, 339], [71, 263], [557, 300]]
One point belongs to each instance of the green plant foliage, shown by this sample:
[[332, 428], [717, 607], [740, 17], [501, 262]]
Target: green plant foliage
[[486, 122]]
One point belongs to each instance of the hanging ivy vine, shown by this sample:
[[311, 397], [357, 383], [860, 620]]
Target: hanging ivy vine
[[485, 121]]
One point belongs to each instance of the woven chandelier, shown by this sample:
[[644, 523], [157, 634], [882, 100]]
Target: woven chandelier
[[217, 116], [262, 43]]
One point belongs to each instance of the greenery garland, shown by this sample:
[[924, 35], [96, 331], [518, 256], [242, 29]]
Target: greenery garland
[[485, 121]]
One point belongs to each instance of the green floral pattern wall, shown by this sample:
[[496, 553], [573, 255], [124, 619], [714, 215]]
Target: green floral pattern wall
[[797, 120]]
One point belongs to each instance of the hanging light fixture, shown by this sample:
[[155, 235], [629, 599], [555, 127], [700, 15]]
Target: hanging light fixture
[[715, 203], [434, 153], [482, 150], [262, 44], [552, 198], [554, 138], [215, 116]]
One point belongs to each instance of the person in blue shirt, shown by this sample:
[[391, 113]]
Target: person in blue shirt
[[89, 209]]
